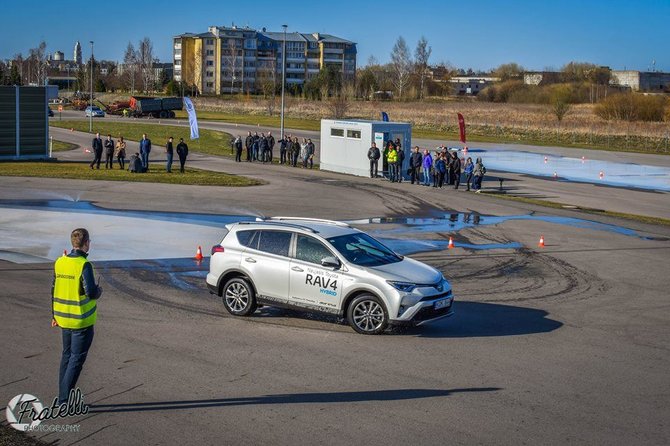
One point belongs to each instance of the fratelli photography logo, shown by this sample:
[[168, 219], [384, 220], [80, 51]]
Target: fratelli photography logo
[[25, 412]]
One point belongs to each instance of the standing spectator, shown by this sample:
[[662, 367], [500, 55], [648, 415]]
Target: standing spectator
[[263, 148], [441, 169], [238, 149], [469, 167], [415, 161], [169, 151], [109, 152], [295, 152], [121, 153], [310, 152], [479, 171], [456, 167], [427, 165], [145, 150], [392, 159], [256, 147], [401, 159], [284, 143], [248, 143], [271, 146], [398, 145], [303, 152], [385, 156], [373, 156], [96, 145], [182, 153]]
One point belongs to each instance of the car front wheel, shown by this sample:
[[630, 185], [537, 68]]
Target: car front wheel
[[238, 297], [367, 315]]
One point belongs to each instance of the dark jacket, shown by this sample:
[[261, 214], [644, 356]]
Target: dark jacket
[[415, 160], [295, 148], [238, 144], [109, 145], [87, 285], [249, 141], [182, 150], [168, 148], [440, 166], [374, 154], [283, 143], [145, 145], [271, 142], [97, 145], [263, 144], [456, 165], [310, 149], [401, 156]]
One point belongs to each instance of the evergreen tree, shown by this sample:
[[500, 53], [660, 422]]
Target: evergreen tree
[[14, 76]]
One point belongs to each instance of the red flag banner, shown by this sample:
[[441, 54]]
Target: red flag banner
[[461, 127]]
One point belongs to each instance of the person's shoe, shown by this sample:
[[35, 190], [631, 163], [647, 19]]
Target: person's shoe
[[478, 191]]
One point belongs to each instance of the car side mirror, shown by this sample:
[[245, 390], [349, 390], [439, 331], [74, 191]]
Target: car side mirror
[[330, 262]]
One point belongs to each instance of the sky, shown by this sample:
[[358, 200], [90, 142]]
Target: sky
[[481, 34]]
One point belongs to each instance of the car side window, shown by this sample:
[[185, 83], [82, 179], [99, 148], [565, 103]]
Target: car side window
[[248, 239], [311, 250], [275, 242]]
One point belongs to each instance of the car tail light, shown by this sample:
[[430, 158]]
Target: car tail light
[[217, 248]]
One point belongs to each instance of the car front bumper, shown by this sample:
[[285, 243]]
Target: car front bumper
[[424, 311]]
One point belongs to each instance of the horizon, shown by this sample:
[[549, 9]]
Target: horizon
[[538, 37]]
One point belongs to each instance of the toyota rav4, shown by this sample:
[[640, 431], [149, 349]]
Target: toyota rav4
[[327, 267]]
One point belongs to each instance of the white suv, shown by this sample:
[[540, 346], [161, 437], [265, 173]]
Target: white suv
[[327, 267]]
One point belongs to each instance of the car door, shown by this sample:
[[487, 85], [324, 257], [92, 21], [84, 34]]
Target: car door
[[312, 285], [266, 261]]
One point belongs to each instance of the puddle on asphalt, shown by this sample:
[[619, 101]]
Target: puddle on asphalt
[[630, 175], [168, 238]]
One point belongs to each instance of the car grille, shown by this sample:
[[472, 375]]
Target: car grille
[[430, 313], [437, 296]]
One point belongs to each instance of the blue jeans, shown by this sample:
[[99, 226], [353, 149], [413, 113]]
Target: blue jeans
[[426, 176], [75, 348], [144, 156], [168, 165]]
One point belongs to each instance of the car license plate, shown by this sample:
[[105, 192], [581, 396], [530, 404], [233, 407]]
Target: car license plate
[[441, 303]]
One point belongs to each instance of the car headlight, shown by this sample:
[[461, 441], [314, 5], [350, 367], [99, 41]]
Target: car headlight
[[405, 287]]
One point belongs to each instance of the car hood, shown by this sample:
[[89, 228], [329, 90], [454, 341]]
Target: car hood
[[408, 270]]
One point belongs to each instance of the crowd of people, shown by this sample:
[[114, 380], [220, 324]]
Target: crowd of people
[[442, 168], [261, 148], [139, 161]]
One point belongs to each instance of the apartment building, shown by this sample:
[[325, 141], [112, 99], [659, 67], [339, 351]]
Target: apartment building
[[234, 59]]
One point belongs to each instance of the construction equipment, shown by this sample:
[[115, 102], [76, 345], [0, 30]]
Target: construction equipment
[[155, 107]]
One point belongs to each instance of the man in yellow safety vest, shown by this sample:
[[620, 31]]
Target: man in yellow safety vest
[[74, 295]]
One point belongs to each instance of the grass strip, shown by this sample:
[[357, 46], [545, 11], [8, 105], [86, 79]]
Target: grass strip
[[211, 142], [82, 171]]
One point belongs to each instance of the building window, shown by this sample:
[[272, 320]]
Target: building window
[[210, 52], [356, 134], [210, 84], [210, 74], [210, 42], [337, 132], [210, 63]]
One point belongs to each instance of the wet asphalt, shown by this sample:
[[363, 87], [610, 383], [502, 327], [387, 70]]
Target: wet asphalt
[[566, 344]]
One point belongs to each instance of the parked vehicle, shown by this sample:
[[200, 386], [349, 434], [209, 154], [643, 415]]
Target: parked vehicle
[[155, 107], [94, 111], [326, 267], [50, 112]]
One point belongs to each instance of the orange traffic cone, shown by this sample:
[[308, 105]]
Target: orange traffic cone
[[541, 244], [198, 254], [451, 243]]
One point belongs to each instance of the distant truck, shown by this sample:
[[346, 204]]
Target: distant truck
[[155, 107]]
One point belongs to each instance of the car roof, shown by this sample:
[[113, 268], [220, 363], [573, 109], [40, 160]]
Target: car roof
[[321, 228]]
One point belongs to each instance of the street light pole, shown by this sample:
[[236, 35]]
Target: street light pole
[[90, 116], [283, 81]]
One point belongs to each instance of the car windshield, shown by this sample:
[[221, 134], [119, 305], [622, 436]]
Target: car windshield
[[363, 250]]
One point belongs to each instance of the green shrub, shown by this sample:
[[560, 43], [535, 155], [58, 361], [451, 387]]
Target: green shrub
[[632, 107]]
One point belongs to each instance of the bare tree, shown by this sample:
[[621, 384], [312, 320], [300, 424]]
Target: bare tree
[[145, 52], [232, 59], [401, 63], [340, 102], [37, 64], [130, 64], [266, 81], [421, 57]]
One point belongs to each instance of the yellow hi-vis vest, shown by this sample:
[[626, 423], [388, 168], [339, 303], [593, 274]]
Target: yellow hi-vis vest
[[71, 309], [392, 156]]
